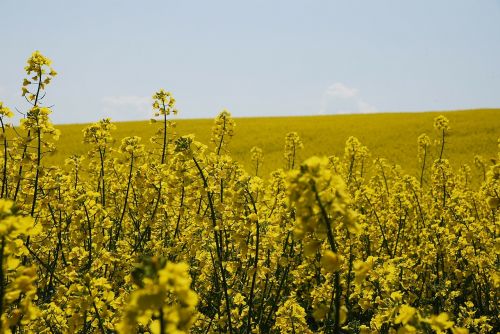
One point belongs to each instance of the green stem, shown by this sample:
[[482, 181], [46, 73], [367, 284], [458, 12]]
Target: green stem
[[255, 264], [217, 244], [120, 222], [423, 167], [333, 246]]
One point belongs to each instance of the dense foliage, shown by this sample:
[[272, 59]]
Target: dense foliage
[[181, 239]]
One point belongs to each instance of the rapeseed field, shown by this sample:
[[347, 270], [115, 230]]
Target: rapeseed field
[[147, 228], [391, 136]]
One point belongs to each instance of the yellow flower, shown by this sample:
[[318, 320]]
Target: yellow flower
[[331, 261], [440, 322], [441, 123], [405, 315], [4, 111], [6, 206], [407, 329]]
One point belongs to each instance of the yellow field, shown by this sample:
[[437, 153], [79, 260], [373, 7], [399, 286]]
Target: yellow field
[[391, 136], [181, 239]]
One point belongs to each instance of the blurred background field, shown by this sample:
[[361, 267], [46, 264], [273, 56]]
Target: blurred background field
[[388, 135]]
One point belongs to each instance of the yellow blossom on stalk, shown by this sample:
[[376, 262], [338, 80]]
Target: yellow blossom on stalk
[[423, 145], [38, 119], [319, 198], [290, 317], [131, 145], [256, 153], [362, 268], [18, 285], [164, 103], [36, 61], [441, 123], [354, 148], [40, 67], [439, 322], [407, 329], [257, 157], [293, 144], [4, 111], [14, 225], [331, 261], [406, 313], [6, 207], [99, 134], [222, 130], [165, 303]]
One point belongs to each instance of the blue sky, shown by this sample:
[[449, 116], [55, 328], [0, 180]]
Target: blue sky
[[255, 58]]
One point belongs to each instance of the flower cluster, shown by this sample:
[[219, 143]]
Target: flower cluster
[[292, 145], [163, 301], [4, 111], [222, 130], [38, 67], [17, 280]]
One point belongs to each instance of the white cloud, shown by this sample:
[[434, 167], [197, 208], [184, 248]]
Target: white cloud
[[126, 107], [340, 90], [339, 98]]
